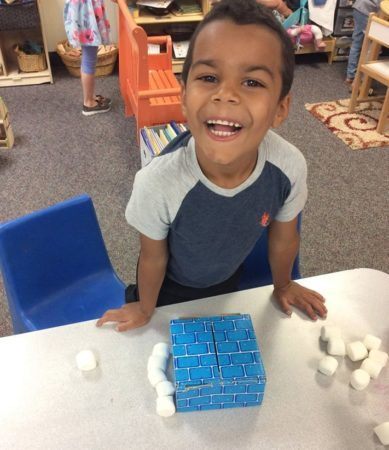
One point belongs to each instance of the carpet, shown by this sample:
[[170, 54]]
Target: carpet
[[357, 130]]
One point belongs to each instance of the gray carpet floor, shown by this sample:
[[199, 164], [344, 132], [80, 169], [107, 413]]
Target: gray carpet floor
[[59, 153]]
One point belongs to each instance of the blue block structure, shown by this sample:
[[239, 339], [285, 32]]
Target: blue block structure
[[217, 363]]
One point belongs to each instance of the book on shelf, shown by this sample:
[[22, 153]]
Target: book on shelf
[[154, 139]]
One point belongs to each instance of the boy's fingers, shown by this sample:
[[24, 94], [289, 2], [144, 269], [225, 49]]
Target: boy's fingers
[[311, 313], [111, 315], [285, 306]]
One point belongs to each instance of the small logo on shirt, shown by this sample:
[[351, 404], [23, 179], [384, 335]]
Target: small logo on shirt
[[265, 219]]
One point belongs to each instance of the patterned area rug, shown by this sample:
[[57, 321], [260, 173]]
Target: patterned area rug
[[357, 130]]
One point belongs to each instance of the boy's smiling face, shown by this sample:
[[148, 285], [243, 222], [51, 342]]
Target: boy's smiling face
[[232, 94]]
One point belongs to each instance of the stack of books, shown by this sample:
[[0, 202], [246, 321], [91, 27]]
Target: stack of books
[[184, 7], [154, 139]]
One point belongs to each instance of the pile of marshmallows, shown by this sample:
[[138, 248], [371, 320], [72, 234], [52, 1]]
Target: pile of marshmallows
[[367, 350], [156, 373]]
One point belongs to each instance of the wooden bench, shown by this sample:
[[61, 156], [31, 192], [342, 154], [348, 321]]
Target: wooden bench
[[149, 88]]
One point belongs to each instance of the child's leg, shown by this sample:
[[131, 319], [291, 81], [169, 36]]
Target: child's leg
[[88, 68], [360, 24]]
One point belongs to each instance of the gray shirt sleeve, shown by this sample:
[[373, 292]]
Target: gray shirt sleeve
[[147, 211]]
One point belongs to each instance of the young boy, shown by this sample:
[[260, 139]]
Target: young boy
[[201, 207]]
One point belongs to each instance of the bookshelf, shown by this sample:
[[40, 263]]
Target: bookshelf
[[20, 22], [154, 139], [175, 25]]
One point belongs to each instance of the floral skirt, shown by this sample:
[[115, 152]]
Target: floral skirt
[[86, 22]]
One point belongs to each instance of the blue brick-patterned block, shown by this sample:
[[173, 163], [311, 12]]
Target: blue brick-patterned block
[[217, 363]]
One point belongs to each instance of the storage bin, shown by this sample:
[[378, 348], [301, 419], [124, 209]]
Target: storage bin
[[71, 57], [30, 63]]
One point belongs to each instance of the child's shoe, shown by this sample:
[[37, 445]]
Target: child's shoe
[[101, 99], [349, 82], [99, 108]]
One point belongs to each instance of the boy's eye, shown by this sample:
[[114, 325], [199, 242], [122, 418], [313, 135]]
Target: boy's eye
[[253, 83], [208, 78]]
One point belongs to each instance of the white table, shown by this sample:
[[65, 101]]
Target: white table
[[46, 403]]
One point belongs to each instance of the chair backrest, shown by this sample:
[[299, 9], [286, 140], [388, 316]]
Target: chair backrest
[[66, 238], [378, 30], [256, 270]]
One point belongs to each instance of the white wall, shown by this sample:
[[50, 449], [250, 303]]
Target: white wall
[[52, 18]]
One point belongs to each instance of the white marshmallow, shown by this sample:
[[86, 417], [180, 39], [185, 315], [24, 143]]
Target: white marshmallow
[[328, 331], [165, 406], [328, 365], [373, 368], [372, 342], [161, 349], [155, 376], [359, 379], [336, 346], [164, 388], [356, 350], [382, 431], [379, 356], [157, 362], [86, 360]]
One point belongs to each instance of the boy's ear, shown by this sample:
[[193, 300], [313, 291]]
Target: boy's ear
[[282, 111], [183, 98]]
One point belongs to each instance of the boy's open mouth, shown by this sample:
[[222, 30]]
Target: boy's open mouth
[[223, 128]]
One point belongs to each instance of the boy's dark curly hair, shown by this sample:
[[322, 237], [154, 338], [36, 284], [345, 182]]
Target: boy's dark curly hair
[[248, 12]]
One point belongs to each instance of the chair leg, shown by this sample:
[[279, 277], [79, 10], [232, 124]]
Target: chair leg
[[354, 95], [384, 114]]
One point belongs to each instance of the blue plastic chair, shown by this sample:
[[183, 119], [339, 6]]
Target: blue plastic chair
[[256, 270], [55, 267]]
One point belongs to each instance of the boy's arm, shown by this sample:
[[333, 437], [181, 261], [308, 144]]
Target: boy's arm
[[284, 241], [152, 264]]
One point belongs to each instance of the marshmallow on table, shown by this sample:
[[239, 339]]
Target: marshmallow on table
[[328, 365], [359, 379], [373, 368], [328, 331], [161, 349], [336, 346], [356, 350], [155, 376], [86, 360], [157, 362], [164, 388], [379, 356], [372, 342], [165, 406], [382, 431]]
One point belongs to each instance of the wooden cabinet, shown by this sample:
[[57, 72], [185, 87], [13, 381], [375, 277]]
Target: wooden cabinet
[[20, 22], [172, 24]]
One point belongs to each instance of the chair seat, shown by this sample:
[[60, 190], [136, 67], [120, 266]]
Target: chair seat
[[378, 67], [163, 79], [85, 300]]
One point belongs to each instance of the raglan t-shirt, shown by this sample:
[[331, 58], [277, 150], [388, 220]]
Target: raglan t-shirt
[[211, 230]]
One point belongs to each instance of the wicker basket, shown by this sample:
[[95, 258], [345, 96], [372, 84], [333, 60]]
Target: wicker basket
[[30, 63], [72, 59]]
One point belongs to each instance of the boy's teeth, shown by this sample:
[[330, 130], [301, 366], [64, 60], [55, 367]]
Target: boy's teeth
[[222, 133], [224, 122]]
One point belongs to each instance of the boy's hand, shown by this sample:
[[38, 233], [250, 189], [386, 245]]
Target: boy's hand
[[129, 316], [308, 301]]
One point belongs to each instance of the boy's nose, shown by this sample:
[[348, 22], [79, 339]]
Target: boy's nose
[[225, 94]]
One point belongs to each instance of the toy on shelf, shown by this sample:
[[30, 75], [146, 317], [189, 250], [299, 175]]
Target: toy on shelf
[[302, 33], [217, 363], [305, 34]]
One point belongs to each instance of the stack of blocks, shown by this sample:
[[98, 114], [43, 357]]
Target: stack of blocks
[[217, 363]]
